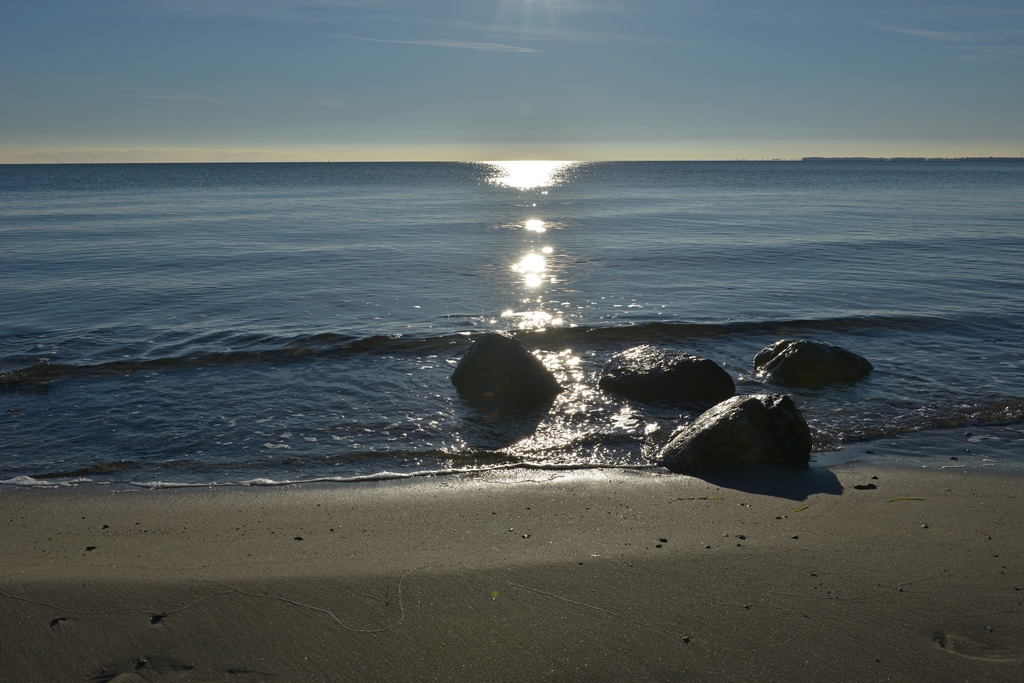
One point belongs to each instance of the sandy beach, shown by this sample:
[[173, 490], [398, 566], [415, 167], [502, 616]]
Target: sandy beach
[[854, 573]]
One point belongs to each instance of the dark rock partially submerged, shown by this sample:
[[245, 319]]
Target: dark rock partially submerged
[[650, 373], [764, 429], [497, 371], [803, 362]]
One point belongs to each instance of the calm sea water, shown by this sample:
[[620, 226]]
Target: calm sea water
[[280, 322]]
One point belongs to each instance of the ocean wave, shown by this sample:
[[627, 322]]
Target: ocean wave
[[34, 482], [933, 418], [387, 475], [269, 350]]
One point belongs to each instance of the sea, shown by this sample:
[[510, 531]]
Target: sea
[[259, 324]]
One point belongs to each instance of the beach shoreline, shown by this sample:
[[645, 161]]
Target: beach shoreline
[[539, 575]]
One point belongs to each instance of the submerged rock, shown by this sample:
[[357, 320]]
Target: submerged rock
[[497, 371], [651, 373], [802, 362], [764, 429]]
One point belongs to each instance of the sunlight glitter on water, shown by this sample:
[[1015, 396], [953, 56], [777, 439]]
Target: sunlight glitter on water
[[532, 267], [533, 320], [527, 175], [531, 263]]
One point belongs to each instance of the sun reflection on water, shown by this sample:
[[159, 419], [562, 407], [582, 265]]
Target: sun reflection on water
[[569, 431], [531, 263], [533, 320], [527, 175], [533, 267]]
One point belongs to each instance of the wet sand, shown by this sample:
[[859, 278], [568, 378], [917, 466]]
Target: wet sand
[[600, 575]]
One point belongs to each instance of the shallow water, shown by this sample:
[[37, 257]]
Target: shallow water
[[276, 322]]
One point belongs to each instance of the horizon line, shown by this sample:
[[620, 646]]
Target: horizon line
[[977, 157]]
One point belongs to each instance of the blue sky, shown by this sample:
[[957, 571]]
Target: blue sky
[[207, 80]]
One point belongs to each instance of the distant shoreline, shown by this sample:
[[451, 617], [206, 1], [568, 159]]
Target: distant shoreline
[[912, 159]]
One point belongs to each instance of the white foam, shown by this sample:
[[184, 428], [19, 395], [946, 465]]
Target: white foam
[[41, 483]]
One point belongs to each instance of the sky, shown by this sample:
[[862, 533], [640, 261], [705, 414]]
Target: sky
[[338, 80]]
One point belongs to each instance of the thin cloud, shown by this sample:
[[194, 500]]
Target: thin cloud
[[967, 45], [407, 11], [546, 33], [943, 36], [460, 44], [266, 9], [183, 98]]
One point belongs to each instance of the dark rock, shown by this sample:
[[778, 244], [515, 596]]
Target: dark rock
[[762, 429], [802, 362], [499, 372], [650, 373]]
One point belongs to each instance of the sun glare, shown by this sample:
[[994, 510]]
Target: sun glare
[[531, 263], [532, 267], [527, 175]]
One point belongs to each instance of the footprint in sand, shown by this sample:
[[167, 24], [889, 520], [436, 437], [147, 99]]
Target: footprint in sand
[[965, 647], [155, 669]]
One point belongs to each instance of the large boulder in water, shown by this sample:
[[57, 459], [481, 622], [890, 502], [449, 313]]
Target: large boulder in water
[[499, 372], [764, 429], [802, 362], [650, 373]]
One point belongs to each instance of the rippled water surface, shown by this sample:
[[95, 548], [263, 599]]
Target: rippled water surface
[[227, 323]]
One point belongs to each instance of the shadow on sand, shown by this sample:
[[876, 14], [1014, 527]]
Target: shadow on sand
[[793, 484]]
